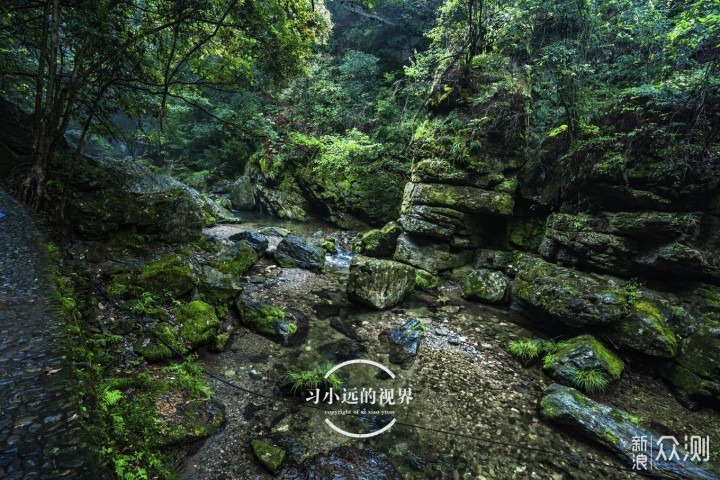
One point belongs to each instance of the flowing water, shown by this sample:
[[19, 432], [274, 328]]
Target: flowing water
[[462, 382]]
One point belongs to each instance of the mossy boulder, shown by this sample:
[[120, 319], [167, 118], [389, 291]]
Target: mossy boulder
[[581, 354], [486, 286], [459, 197], [612, 428], [379, 283], [235, 259], [198, 323], [268, 454], [380, 242], [572, 297], [429, 255], [294, 251], [241, 194], [217, 288], [110, 195], [646, 330], [525, 233], [172, 276], [696, 373], [267, 319]]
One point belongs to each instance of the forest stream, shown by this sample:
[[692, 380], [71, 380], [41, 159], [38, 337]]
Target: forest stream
[[463, 380]]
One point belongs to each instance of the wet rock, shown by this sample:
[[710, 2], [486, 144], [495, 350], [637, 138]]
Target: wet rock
[[429, 255], [380, 242], [582, 354], [635, 317], [486, 286], [342, 350], [267, 319], [257, 241], [404, 342], [298, 252], [425, 280], [645, 329], [218, 288], [269, 455], [241, 194], [282, 203], [379, 283], [612, 428], [347, 463]]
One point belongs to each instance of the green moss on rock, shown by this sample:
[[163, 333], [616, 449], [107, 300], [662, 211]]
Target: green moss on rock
[[173, 276], [269, 455], [198, 323], [485, 286], [237, 260]]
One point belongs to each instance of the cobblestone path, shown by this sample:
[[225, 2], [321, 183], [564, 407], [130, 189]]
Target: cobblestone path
[[41, 432]]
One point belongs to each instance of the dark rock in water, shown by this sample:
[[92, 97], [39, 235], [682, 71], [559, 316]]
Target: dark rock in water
[[327, 310], [345, 463], [342, 350], [404, 342], [582, 354], [269, 455], [614, 429], [379, 283], [257, 241], [294, 251]]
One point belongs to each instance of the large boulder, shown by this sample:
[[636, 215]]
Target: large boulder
[[486, 286], [379, 283], [614, 429], [109, 195], [635, 317], [241, 194], [696, 372], [571, 359], [294, 251], [429, 255], [637, 243], [572, 297]]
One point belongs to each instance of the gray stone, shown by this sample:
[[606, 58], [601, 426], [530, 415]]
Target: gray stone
[[379, 283], [431, 256], [486, 286], [294, 251]]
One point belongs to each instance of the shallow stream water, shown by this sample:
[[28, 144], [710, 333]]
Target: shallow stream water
[[463, 381]]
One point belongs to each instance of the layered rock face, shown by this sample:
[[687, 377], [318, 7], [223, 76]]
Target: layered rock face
[[632, 257]]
